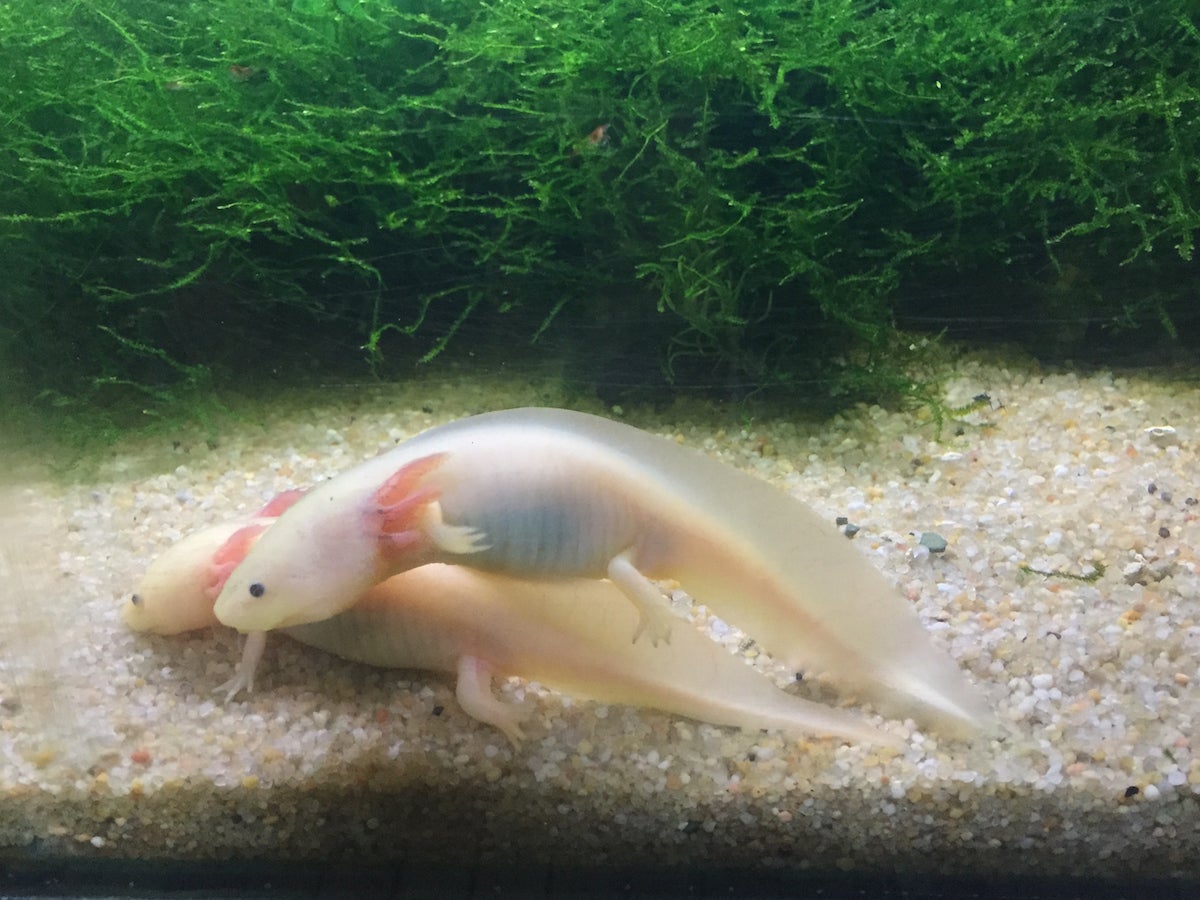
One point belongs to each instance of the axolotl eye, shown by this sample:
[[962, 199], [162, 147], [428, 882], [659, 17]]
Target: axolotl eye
[[136, 599], [257, 589]]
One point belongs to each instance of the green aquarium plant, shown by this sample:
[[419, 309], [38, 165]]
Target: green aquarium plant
[[752, 195]]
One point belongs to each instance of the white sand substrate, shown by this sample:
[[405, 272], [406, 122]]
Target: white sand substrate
[[114, 744]]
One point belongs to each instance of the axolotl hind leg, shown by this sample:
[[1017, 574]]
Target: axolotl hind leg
[[649, 600], [474, 693]]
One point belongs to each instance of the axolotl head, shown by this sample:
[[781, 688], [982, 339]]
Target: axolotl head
[[177, 592], [316, 560]]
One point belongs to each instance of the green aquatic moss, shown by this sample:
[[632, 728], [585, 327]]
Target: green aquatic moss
[[236, 187]]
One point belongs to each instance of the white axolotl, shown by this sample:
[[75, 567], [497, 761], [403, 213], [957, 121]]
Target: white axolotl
[[553, 494], [570, 634]]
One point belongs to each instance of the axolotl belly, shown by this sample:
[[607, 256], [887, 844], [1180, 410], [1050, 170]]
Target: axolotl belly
[[548, 494]]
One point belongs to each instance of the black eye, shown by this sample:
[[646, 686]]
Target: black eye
[[257, 589], [136, 600]]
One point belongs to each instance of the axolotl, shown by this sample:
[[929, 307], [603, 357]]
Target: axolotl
[[569, 634], [555, 494]]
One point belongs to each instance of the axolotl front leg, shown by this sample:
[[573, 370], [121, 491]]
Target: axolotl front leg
[[534, 519]]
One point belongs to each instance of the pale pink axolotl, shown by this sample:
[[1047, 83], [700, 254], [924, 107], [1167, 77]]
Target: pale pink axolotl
[[569, 634], [550, 493]]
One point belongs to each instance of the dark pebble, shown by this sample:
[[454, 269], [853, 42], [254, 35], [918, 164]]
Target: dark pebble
[[934, 541]]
